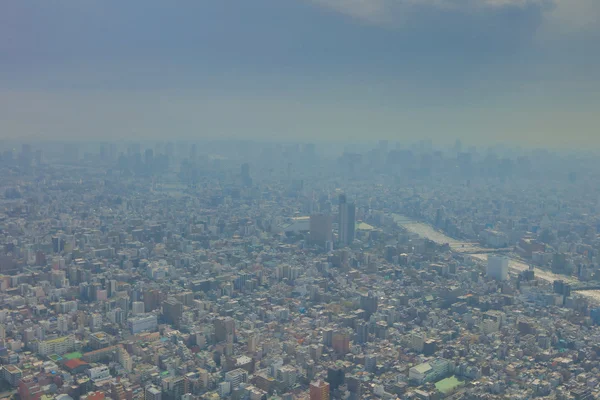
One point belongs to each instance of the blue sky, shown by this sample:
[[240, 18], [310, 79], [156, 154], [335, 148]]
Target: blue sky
[[485, 71]]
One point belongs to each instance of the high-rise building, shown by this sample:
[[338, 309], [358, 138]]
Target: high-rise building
[[319, 390], [153, 393], [370, 363], [354, 386], [152, 298], [346, 221], [59, 345], [417, 341], [497, 268], [224, 329], [246, 179], [172, 311], [362, 332], [369, 303], [137, 307], [341, 343], [287, 375], [320, 229], [252, 343], [335, 377], [62, 324], [12, 374], [142, 323], [236, 377], [328, 337], [149, 160], [174, 386], [58, 244]]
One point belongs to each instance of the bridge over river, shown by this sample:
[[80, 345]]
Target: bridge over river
[[475, 250]]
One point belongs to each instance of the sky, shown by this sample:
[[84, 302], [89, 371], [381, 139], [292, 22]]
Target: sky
[[523, 72]]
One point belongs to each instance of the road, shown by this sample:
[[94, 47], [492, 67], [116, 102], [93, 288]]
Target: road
[[516, 265]]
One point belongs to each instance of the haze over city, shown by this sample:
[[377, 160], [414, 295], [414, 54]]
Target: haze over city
[[523, 72], [299, 200]]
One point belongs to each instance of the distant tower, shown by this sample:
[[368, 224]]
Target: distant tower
[[346, 221], [497, 268], [368, 302], [320, 229], [246, 179], [149, 160]]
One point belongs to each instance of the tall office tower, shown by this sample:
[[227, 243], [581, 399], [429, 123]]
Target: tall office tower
[[172, 311], [346, 221], [246, 179], [224, 329], [497, 268], [319, 390], [320, 229]]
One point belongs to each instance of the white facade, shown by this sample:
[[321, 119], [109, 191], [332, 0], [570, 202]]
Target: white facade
[[431, 371], [56, 346], [224, 389], [62, 324], [142, 323], [98, 373], [236, 377]]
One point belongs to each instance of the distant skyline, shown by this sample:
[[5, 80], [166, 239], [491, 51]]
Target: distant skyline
[[520, 72]]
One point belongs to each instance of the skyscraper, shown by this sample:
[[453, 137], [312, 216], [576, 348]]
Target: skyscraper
[[346, 221]]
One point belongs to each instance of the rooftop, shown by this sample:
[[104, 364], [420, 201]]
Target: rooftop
[[448, 385]]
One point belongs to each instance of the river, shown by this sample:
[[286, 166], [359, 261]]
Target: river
[[515, 265]]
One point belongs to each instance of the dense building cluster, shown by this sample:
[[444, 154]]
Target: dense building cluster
[[192, 272]]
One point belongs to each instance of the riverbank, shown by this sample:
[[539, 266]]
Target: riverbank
[[515, 265]]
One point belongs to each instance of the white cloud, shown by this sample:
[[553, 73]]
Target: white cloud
[[381, 10], [375, 11], [564, 15], [570, 15]]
